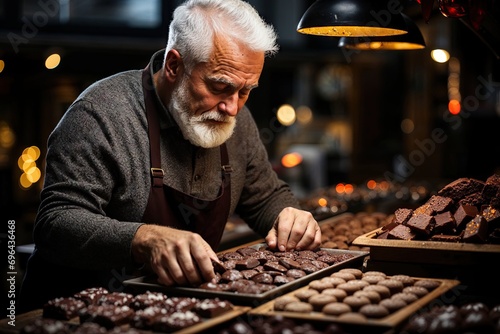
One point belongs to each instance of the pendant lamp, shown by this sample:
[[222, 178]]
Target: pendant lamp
[[352, 18], [413, 40]]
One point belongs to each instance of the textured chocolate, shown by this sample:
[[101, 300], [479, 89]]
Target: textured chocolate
[[401, 232], [402, 215], [464, 214], [444, 223], [421, 223], [63, 308], [460, 188], [476, 230]]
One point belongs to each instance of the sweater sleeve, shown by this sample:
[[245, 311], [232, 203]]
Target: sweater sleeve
[[93, 197], [264, 195]]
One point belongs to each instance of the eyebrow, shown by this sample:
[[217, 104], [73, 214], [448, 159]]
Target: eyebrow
[[230, 83]]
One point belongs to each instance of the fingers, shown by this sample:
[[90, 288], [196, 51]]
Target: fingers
[[294, 229], [181, 258]]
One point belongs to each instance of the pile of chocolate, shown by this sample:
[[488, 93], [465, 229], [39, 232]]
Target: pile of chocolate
[[341, 232], [473, 317], [99, 311], [251, 270], [465, 210]]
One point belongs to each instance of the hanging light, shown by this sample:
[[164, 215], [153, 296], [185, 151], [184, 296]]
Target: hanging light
[[352, 18], [413, 40]]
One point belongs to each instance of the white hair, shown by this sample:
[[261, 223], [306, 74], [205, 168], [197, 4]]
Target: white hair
[[195, 23]]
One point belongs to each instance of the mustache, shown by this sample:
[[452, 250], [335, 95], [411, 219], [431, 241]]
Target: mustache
[[214, 116]]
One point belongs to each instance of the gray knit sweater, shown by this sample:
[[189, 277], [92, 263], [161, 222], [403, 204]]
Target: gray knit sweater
[[97, 177]]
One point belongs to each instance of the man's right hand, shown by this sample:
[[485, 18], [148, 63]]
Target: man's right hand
[[177, 257]]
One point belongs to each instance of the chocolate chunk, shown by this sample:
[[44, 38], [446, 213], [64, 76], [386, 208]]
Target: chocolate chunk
[[275, 266], [231, 275], [476, 230], [439, 203], [401, 216], [421, 223], [219, 267], [247, 263], [464, 214], [289, 263], [401, 232], [444, 223]]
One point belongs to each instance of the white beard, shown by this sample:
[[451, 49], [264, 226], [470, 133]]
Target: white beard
[[198, 129]]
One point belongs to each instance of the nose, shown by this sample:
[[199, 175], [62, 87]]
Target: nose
[[230, 105]]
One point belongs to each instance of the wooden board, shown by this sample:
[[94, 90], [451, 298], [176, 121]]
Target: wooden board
[[26, 318], [390, 321], [428, 252]]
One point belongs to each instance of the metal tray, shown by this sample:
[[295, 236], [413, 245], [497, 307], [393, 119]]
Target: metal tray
[[144, 283], [428, 252], [391, 321]]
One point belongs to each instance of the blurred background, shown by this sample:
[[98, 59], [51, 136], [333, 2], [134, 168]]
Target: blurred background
[[335, 121]]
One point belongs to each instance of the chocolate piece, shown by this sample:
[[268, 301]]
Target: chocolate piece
[[219, 267], [63, 308], [247, 263], [439, 203], [181, 303], [444, 223], [289, 263], [495, 201], [492, 216], [148, 298], [275, 266], [91, 328], [308, 254], [248, 274], [424, 209], [401, 216], [45, 325], [231, 275], [296, 273], [116, 298], [211, 308], [107, 316], [460, 188], [175, 321], [464, 214], [401, 232], [282, 279], [421, 223], [476, 230], [91, 295], [264, 278], [472, 199], [232, 256], [328, 258], [491, 187], [246, 251]]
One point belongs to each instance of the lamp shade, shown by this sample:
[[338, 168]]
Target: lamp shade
[[413, 40], [353, 18]]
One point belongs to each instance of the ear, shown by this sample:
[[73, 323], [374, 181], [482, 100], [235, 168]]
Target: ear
[[173, 64]]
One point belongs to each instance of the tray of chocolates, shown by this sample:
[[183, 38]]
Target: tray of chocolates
[[253, 274], [460, 224], [97, 310], [350, 296]]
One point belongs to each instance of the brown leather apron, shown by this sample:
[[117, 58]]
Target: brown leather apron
[[170, 207]]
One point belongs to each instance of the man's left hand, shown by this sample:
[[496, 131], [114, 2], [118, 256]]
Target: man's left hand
[[294, 229]]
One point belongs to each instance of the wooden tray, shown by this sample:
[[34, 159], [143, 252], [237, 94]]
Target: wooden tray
[[428, 252], [391, 321], [145, 283], [26, 318]]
